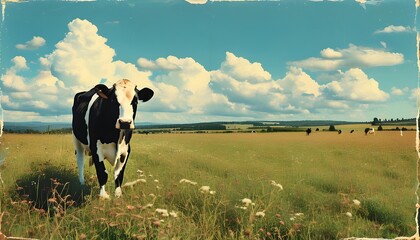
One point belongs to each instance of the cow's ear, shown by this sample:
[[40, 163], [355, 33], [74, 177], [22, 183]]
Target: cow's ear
[[144, 94], [102, 91]]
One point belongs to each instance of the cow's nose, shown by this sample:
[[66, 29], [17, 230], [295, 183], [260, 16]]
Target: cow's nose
[[124, 124]]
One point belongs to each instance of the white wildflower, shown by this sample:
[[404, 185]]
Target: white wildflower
[[173, 214], [276, 184], [139, 171], [187, 181], [149, 205], [162, 212], [152, 195], [205, 189], [299, 214], [247, 202], [292, 219], [349, 214], [356, 202], [212, 192], [243, 207], [156, 181], [260, 214]]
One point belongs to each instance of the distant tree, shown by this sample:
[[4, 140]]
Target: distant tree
[[380, 128], [375, 121], [332, 128]]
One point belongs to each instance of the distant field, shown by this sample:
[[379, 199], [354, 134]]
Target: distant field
[[320, 174]]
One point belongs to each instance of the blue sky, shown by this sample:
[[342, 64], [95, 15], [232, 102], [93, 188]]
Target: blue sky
[[213, 60]]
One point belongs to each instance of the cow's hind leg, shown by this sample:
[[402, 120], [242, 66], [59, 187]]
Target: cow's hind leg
[[80, 157], [119, 172]]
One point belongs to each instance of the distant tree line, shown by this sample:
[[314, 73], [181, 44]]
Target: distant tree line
[[378, 121]]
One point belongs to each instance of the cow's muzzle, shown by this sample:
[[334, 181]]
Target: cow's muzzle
[[124, 124]]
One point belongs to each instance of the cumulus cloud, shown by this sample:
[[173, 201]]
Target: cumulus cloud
[[82, 58], [351, 57], [395, 29], [299, 83], [243, 69], [184, 89], [33, 44], [398, 91], [355, 85], [80, 61]]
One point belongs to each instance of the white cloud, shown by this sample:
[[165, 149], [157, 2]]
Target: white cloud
[[35, 43], [298, 83], [383, 44], [243, 69], [395, 29], [80, 61], [184, 89], [355, 85], [19, 63], [11, 79], [351, 57], [330, 53], [398, 92]]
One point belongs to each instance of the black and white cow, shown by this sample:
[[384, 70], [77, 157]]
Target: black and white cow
[[103, 122], [369, 131]]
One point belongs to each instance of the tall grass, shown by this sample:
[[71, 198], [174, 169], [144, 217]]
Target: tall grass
[[320, 175]]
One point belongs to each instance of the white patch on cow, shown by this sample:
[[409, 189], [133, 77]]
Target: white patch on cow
[[106, 151], [121, 151], [125, 92], [92, 100], [80, 156]]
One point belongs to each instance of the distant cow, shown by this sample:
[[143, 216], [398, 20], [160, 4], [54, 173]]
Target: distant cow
[[103, 123], [308, 131], [317, 129], [339, 132], [352, 131], [369, 131]]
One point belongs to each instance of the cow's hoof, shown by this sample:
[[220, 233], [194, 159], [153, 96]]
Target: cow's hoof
[[118, 192], [103, 194]]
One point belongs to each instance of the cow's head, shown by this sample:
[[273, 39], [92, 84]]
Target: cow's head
[[126, 95]]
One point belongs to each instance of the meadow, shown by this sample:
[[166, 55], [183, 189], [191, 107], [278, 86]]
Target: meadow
[[216, 186]]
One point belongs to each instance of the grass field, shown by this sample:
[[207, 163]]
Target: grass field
[[322, 186]]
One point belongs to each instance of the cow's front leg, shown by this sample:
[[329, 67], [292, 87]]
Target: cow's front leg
[[119, 172], [101, 173]]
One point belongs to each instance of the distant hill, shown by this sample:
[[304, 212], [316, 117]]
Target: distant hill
[[34, 126]]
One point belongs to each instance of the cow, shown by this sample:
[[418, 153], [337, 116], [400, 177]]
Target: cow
[[103, 123], [369, 131], [352, 131], [339, 132], [308, 131]]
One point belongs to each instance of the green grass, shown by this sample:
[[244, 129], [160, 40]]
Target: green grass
[[320, 174]]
